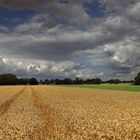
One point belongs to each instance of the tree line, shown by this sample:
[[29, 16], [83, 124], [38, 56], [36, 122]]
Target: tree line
[[11, 79], [68, 81]]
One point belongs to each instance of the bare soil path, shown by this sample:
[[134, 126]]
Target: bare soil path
[[19, 119], [47, 117], [6, 105]]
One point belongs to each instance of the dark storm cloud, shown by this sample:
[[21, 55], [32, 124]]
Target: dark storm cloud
[[24, 3], [58, 43]]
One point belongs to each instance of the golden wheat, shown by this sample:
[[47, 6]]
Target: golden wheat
[[62, 113]]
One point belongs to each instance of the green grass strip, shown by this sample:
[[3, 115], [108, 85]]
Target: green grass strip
[[111, 87]]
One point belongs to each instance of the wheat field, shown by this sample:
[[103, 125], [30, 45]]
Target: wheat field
[[68, 113]]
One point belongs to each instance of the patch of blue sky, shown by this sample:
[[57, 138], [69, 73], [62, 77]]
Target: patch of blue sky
[[11, 18], [94, 9]]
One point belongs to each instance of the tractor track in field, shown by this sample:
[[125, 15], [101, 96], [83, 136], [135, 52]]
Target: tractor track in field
[[47, 116], [4, 107]]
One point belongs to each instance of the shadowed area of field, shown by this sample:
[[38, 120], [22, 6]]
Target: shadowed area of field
[[68, 113]]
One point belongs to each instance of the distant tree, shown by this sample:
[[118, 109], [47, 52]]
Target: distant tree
[[41, 82], [137, 79], [47, 81], [8, 79], [78, 81], [93, 81], [52, 81], [67, 81], [114, 81], [23, 81], [88, 81], [58, 82], [97, 81], [33, 81]]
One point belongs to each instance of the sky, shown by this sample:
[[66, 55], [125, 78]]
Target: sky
[[70, 38]]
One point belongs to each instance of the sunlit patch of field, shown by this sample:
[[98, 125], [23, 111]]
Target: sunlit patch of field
[[68, 113]]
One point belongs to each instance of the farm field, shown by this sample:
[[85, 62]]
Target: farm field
[[123, 87], [68, 113]]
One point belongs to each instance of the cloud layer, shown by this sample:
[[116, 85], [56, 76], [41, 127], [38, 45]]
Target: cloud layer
[[63, 40]]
